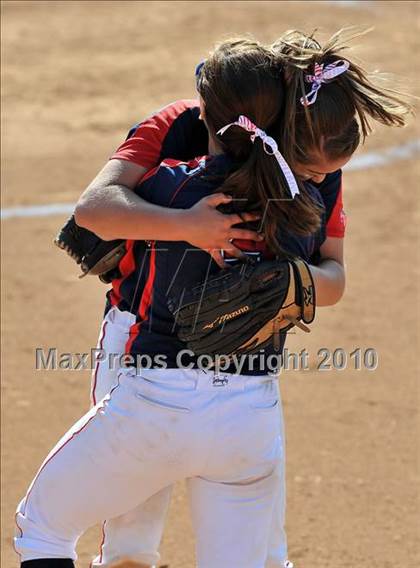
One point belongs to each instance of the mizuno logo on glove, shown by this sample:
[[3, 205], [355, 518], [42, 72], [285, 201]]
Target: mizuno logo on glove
[[225, 317]]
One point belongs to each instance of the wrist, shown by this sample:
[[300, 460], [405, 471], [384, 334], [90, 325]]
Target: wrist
[[176, 224]]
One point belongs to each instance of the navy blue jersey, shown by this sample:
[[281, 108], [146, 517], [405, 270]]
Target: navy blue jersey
[[151, 271]]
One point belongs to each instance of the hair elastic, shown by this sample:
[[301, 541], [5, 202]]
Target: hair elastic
[[270, 148], [322, 75], [198, 72]]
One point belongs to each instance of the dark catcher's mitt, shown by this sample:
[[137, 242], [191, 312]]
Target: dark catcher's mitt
[[95, 256], [242, 309]]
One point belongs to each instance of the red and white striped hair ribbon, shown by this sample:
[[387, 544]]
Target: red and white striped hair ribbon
[[322, 75], [270, 148]]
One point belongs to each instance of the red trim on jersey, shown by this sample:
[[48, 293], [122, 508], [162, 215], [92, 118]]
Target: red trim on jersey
[[95, 376], [126, 266], [173, 162], [146, 297], [146, 300], [144, 147], [336, 225]]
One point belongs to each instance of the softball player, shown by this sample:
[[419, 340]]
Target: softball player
[[137, 534], [72, 436], [177, 131], [173, 423]]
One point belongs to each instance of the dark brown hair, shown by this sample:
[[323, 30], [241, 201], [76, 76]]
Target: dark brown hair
[[241, 77], [339, 119]]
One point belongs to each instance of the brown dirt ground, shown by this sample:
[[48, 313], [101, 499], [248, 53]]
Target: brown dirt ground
[[75, 76]]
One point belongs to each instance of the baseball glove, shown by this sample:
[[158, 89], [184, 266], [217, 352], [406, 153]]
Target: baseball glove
[[94, 255], [242, 309]]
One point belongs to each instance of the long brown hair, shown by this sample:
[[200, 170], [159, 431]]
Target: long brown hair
[[241, 77], [340, 118]]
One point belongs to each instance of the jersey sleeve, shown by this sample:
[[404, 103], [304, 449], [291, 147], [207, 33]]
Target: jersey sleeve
[[331, 191], [336, 224], [147, 139]]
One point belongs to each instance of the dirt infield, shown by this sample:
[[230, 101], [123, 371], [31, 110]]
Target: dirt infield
[[76, 75]]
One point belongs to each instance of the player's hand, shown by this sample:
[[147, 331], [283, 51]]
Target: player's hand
[[209, 229]]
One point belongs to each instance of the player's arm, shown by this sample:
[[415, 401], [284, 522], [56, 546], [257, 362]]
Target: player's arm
[[111, 209], [329, 272], [329, 276]]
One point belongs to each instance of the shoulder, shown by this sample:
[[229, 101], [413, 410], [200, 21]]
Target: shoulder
[[163, 184], [171, 131], [165, 117], [187, 108]]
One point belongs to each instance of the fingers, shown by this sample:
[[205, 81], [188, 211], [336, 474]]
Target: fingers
[[249, 217], [217, 257], [217, 198], [245, 234], [235, 219]]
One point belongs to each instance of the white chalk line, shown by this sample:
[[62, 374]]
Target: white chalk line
[[362, 162], [37, 210], [350, 3], [384, 157]]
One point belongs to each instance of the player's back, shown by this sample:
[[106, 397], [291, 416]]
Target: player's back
[[159, 269]]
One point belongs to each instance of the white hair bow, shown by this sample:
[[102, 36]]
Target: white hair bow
[[322, 75], [270, 148]]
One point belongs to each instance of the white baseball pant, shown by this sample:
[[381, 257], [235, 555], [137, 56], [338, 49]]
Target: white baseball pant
[[153, 429], [138, 533]]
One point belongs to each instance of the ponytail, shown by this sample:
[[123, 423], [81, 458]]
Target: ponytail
[[341, 115]]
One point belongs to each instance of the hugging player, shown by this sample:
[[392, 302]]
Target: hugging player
[[298, 237]]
